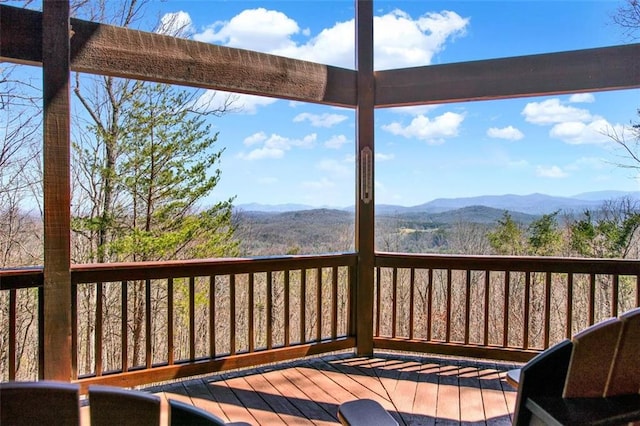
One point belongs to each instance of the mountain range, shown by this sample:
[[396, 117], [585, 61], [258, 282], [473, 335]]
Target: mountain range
[[533, 204]]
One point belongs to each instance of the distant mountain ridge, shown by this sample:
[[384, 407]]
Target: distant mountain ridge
[[533, 204]]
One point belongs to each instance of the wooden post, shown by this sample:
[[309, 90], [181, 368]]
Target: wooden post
[[365, 177], [57, 198]]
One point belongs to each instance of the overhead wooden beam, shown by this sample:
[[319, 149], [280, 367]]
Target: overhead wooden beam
[[119, 52], [608, 68], [57, 191]]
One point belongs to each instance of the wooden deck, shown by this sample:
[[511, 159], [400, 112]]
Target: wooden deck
[[417, 390]]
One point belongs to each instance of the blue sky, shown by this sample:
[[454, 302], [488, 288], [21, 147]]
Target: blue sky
[[284, 152], [277, 151]]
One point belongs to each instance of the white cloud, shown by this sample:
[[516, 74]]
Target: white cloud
[[552, 111], [571, 125], [402, 41], [320, 120], [336, 142], [212, 100], [256, 138], [424, 128], [399, 39], [335, 168], [255, 29], [274, 146], [262, 154], [553, 172], [414, 110], [590, 162], [319, 185], [575, 132], [177, 24], [509, 133], [384, 157], [586, 98]]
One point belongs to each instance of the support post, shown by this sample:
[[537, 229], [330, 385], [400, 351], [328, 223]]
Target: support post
[[365, 218], [57, 194]]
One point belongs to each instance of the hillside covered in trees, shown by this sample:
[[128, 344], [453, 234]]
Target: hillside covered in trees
[[610, 230]]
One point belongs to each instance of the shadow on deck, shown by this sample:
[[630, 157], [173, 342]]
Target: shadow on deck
[[416, 390]]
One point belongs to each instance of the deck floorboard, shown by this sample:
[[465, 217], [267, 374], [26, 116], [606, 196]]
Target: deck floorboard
[[416, 390]]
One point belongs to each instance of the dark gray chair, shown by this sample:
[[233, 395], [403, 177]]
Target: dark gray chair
[[110, 405], [182, 414], [46, 403], [594, 378]]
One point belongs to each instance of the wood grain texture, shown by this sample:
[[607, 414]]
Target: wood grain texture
[[624, 377], [119, 52], [413, 389], [608, 68], [593, 352], [57, 191]]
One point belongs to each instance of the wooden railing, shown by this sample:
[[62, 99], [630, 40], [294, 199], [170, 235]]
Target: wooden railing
[[21, 328], [145, 322], [495, 307]]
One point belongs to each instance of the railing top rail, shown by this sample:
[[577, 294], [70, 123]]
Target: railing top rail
[[574, 265], [107, 272], [15, 278]]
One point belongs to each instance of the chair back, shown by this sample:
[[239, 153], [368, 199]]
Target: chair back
[[594, 350], [624, 376], [182, 414], [109, 405], [46, 403]]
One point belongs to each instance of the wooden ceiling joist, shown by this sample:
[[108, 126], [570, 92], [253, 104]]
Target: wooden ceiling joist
[[608, 68], [119, 52]]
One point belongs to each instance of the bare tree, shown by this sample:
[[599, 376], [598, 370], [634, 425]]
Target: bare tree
[[628, 18]]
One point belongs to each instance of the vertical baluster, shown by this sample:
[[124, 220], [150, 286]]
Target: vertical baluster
[[547, 309], [232, 314], [394, 301], [527, 309], [448, 313], [287, 330], [269, 310], [147, 323], [467, 306], [569, 318], [592, 297], [487, 283], [614, 295], [212, 316], [170, 337], [74, 331], [430, 302], [99, 332], [124, 329], [505, 309], [41, 333], [303, 306], [412, 283], [378, 302], [13, 300], [192, 318], [334, 302], [319, 304], [352, 302], [638, 290], [251, 331]]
